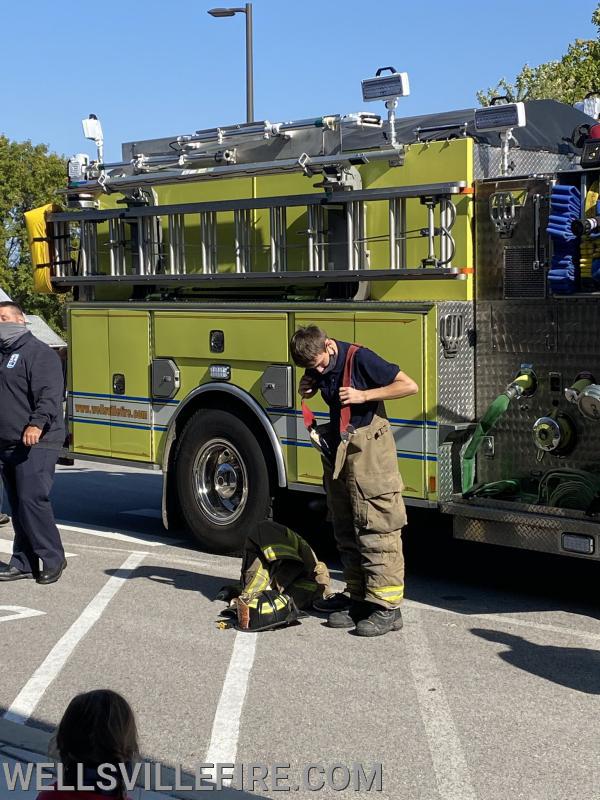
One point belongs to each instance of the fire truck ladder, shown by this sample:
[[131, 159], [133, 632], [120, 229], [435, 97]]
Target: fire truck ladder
[[137, 254]]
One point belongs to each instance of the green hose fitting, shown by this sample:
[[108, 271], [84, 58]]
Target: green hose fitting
[[523, 385]]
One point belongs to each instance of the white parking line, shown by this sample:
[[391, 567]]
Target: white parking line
[[449, 763], [506, 620], [222, 748], [18, 612], [6, 546], [107, 533], [30, 695]]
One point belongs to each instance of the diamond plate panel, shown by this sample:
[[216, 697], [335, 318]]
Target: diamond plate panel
[[558, 335], [525, 162], [531, 200], [521, 534], [456, 376], [444, 476], [509, 321]]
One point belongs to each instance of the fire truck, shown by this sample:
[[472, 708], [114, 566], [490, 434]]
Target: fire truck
[[459, 245]]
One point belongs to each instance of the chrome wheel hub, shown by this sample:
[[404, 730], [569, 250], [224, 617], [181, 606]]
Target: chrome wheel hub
[[220, 481]]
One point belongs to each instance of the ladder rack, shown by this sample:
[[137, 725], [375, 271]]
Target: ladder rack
[[336, 247]]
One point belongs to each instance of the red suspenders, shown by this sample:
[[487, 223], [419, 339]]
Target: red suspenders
[[346, 412]]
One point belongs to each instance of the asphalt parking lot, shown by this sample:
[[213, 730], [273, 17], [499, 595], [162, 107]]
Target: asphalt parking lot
[[491, 690]]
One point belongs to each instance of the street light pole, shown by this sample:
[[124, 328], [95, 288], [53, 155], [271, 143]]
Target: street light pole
[[230, 12], [249, 66]]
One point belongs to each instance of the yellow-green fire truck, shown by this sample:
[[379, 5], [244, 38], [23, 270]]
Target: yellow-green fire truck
[[430, 240]]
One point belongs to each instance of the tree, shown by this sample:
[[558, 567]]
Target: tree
[[29, 176], [567, 80]]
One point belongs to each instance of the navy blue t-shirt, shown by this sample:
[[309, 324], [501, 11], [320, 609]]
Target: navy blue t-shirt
[[369, 371]]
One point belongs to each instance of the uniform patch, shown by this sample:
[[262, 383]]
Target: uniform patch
[[12, 360]]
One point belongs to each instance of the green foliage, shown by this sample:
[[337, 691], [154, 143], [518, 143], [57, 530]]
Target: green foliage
[[567, 80], [29, 176]]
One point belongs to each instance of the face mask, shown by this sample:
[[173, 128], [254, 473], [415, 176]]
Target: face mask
[[332, 363], [10, 332]]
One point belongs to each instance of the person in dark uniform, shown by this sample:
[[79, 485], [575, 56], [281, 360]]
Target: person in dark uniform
[[4, 518], [31, 435]]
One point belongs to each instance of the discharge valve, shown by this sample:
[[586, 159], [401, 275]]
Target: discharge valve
[[554, 434], [585, 394]]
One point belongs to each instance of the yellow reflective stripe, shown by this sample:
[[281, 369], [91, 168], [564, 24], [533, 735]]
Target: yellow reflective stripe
[[309, 585], [274, 551], [390, 598], [259, 582], [388, 592], [267, 608]]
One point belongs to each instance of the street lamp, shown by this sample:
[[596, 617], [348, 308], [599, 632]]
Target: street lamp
[[230, 12]]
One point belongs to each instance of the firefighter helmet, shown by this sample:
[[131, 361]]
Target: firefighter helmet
[[268, 609]]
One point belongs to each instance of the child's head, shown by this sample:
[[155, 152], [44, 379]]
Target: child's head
[[98, 727]]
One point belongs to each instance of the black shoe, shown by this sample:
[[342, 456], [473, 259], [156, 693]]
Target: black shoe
[[14, 574], [335, 602], [51, 575], [4, 519], [349, 617], [380, 621]]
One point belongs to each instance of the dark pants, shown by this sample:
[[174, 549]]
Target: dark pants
[[28, 473]]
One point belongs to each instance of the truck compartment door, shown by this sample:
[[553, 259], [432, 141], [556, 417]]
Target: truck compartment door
[[130, 404], [89, 382], [399, 338]]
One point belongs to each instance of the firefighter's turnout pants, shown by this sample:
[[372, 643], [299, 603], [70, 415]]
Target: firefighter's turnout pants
[[367, 511], [276, 557]]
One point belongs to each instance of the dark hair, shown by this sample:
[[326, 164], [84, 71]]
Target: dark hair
[[98, 727], [11, 304], [307, 344]]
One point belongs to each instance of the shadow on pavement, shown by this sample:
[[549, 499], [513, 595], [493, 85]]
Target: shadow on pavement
[[79, 495], [465, 577], [207, 585], [574, 667]]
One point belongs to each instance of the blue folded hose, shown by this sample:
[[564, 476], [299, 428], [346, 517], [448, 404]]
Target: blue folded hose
[[565, 207]]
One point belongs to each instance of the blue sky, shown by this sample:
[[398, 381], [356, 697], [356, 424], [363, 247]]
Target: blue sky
[[158, 69]]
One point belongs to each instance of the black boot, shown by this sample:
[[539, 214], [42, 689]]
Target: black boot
[[340, 601], [349, 617], [380, 621]]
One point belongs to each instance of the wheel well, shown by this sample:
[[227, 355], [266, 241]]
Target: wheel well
[[226, 402]]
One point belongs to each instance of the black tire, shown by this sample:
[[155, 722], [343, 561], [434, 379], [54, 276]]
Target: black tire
[[216, 454]]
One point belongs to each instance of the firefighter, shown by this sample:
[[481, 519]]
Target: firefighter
[[31, 435], [277, 561], [361, 477]]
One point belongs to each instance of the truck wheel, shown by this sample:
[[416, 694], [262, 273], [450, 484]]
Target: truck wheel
[[222, 481]]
